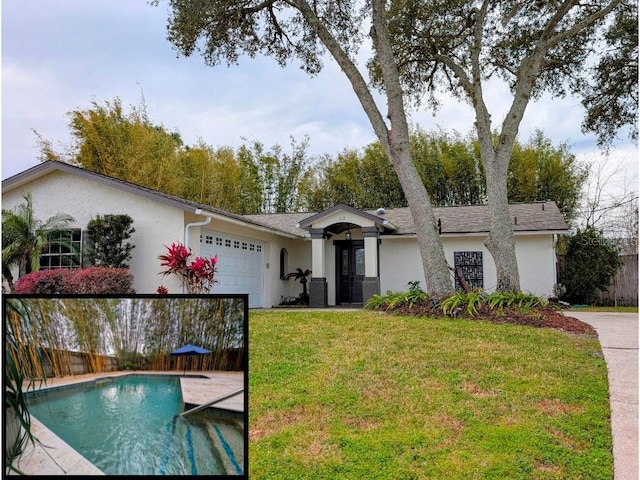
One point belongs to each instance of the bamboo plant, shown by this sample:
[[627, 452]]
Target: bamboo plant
[[20, 351]]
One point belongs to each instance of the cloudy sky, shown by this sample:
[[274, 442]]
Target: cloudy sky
[[60, 55]]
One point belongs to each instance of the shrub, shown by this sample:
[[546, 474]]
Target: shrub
[[463, 302], [93, 280], [196, 275], [101, 280], [42, 282], [106, 237], [590, 263], [392, 300]]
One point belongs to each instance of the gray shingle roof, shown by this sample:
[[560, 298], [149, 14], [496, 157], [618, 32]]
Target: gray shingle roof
[[464, 219], [525, 217]]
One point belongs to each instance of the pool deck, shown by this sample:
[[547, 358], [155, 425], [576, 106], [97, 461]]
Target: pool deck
[[52, 456]]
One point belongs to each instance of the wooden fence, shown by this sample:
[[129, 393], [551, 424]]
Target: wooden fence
[[64, 362], [623, 289], [58, 363]]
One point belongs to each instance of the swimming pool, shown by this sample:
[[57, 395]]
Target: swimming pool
[[130, 425]]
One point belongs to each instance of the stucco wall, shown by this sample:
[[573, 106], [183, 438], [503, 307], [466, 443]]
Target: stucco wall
[[400, 262], [536, 263], [156, 224]]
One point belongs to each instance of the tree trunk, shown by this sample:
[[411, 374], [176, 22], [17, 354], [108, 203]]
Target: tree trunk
[[394, 140], [434, 263], [501, 242]]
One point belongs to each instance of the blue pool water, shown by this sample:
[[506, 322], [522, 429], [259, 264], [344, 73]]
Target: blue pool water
[[130, 425]]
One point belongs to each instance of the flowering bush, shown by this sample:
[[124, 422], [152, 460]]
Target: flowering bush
[[45, 282], [101, 280], [196, 276], [93, 280]]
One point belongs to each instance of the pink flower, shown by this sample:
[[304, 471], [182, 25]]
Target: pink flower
[[197, 276]]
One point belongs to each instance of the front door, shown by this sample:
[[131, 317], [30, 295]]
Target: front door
[[350, 268]]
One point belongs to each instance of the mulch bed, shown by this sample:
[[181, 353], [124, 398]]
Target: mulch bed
[[548, 317]]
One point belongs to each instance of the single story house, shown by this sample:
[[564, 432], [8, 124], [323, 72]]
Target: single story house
[[352, 253]]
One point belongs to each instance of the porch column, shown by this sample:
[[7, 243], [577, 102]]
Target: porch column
[[318, 284], [371, 281]]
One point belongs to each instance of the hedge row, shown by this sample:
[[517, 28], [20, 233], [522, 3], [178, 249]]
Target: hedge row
[[93, 280]]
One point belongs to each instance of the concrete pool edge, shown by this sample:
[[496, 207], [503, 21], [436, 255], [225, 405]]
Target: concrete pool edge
[[38, 458], [50, 455]]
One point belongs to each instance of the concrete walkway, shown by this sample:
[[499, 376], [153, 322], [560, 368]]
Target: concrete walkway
[[618, 335]]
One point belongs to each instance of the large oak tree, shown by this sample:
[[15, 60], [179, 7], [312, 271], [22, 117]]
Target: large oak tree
[[418, 47], [533, 46]]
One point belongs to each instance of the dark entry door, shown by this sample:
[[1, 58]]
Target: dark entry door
[[350, 271]]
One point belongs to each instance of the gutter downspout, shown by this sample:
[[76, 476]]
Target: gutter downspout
[[194, 224]]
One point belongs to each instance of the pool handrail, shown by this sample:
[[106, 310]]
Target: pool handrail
[[215, 400]]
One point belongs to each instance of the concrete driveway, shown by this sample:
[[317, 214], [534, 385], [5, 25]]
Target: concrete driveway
[[618, 335]]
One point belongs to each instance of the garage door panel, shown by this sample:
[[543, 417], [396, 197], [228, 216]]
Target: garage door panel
[[240, 264]]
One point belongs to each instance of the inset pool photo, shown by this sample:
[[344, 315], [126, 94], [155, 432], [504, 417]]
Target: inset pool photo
[[127, 385]]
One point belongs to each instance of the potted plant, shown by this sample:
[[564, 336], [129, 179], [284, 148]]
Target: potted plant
[[301, 275]]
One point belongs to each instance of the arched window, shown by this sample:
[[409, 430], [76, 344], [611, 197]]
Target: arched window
[[284, 263]]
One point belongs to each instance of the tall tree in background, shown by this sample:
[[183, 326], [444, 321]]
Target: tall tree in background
[[459, 45], [540, 171], [363, 181], [451, 170], [125, 144], [129, 146], [449, 167], [275, 175], [610, 203]]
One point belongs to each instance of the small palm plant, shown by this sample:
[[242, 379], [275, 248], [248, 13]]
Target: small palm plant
[[24, 237], [301, 275]]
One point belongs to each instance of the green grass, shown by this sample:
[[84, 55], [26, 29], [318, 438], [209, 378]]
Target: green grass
[[604, 309], [360, 394]]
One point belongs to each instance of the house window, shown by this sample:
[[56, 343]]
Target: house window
[[284, 262], [471, 265], [64, 250]]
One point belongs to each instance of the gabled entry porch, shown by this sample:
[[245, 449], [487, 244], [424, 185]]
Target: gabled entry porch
[[351, 269]]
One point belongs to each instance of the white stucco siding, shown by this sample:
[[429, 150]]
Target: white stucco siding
[[156, 224], [400, 262], [299, 256], [536, 263], [330, 271]]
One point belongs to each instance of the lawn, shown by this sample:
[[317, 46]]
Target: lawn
[[602, 309], [364, 395]]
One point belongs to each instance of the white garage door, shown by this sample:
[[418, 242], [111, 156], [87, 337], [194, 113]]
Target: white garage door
[[240, 265]]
